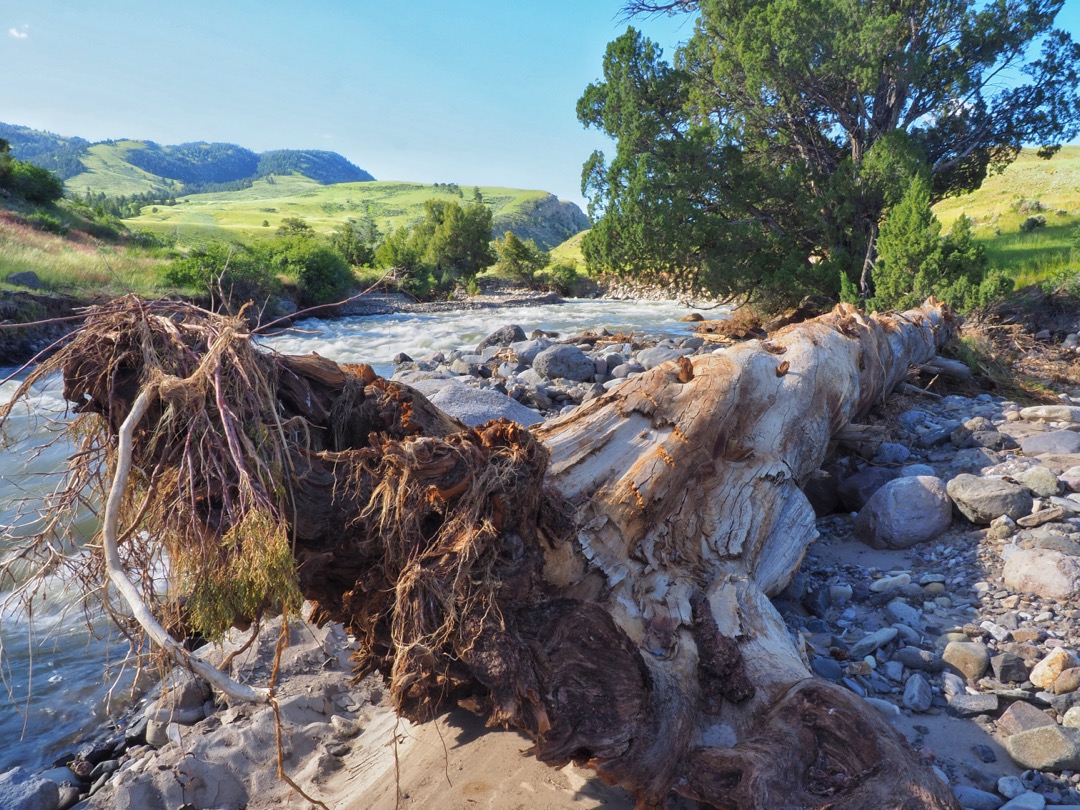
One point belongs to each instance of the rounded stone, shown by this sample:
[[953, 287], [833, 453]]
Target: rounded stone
[[969, 658], [905, 512], [981, 500]]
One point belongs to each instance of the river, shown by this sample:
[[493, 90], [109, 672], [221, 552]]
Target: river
[[54, 670]]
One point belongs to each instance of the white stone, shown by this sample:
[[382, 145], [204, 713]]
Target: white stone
[[1046, 671]]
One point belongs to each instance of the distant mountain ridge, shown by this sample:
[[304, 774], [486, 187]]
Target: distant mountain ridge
[[185, 168]]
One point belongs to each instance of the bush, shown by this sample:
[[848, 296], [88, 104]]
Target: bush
[[228, 273], [46, 222], [33, 183], [322, 275], [1032, 223], [561, 277]]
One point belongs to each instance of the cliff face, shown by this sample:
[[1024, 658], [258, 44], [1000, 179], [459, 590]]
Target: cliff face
[[548, 221]]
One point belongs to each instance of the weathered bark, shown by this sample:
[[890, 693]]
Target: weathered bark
[[601, 583]]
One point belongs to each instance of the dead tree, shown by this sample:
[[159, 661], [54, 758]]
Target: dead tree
[[601, 583]]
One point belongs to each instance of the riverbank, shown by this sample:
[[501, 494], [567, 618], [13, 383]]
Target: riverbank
[[880, 621]]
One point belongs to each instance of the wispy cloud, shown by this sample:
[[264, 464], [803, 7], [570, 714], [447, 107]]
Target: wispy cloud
[[22, 32]]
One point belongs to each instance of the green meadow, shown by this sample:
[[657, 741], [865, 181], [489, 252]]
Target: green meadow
[[1030, 187], [257, 211]]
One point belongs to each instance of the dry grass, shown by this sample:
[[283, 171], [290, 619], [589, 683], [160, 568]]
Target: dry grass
[[76, 264]]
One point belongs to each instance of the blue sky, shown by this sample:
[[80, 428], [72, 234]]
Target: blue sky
[[472, 92]]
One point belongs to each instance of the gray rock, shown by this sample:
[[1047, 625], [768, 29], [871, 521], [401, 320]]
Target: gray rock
[[971, 705], [855, 490], [651, 358], [917, 693], [21, 790], [900, 612], [1011, 786], [919, 659], [27, 278], [1041, 571], [820, 490], [871, 642], [892, 453], [912, 470], [1058, 442], [526, 350], [1051, 413], [975, 799], [973, 460], [474, 406], [564, 361], [503, 336], [1009, 668], [904, 512], [1049, 748], [1026, 801], [981, 500], [1040, 481], [969, 658], [1021, 716]]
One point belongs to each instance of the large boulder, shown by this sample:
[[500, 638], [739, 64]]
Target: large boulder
[[1051, 413], [526, 350], [503, 336], [651, 358], [904, 513], [1057, 442], [1041, 571], [1050, 748], [981, 500], [21, 790], [474, 406], [564, 361]]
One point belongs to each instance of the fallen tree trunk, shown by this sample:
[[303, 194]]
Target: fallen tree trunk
[[601, 583]]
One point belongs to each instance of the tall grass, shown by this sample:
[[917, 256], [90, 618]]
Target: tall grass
[[77, 266]]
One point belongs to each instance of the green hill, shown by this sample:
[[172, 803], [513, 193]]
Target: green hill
[[224, 186], [257, 211], [126, 167], [1046, 190]]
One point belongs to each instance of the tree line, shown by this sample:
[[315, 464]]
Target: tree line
[[767, 158]]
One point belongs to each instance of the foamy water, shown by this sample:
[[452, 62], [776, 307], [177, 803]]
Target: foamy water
[[53, 667]]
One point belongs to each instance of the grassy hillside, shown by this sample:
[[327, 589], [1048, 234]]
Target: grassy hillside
[[109, 172], [257, 211], [1029, 187]]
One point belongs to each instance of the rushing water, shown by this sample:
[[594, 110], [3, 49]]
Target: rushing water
[[54, 683]]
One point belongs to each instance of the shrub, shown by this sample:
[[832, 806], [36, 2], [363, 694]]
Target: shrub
[[561, 277], [33, 183], [229, 273], [46, 222], [322, 276], [1032, 223]]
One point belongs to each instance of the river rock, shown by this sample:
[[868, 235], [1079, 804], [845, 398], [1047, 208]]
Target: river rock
[[1051, 413], [474, 406], [919, 659], [981, 500], [21, 790], [1059, 442], [1041, 481], [974, 799], [917, 693], [855, 490], [871, 642], [1021, 716], [1044, 673], [503, 336], [892, 453], [1009, 668], [1071, 718], [904, 512], [1040, 571], [526, 350], [564, 361], [971, 705], [1068, 681], [651, 358], [1049, 748], [969, 658], [1026, 801]]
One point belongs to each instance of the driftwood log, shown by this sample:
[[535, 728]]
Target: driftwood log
[[601, 583]]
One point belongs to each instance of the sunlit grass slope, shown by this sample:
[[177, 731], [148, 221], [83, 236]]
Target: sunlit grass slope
[[258, 211], [1029, 187]]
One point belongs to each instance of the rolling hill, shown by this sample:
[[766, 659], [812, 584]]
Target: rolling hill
[[220, 187]]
